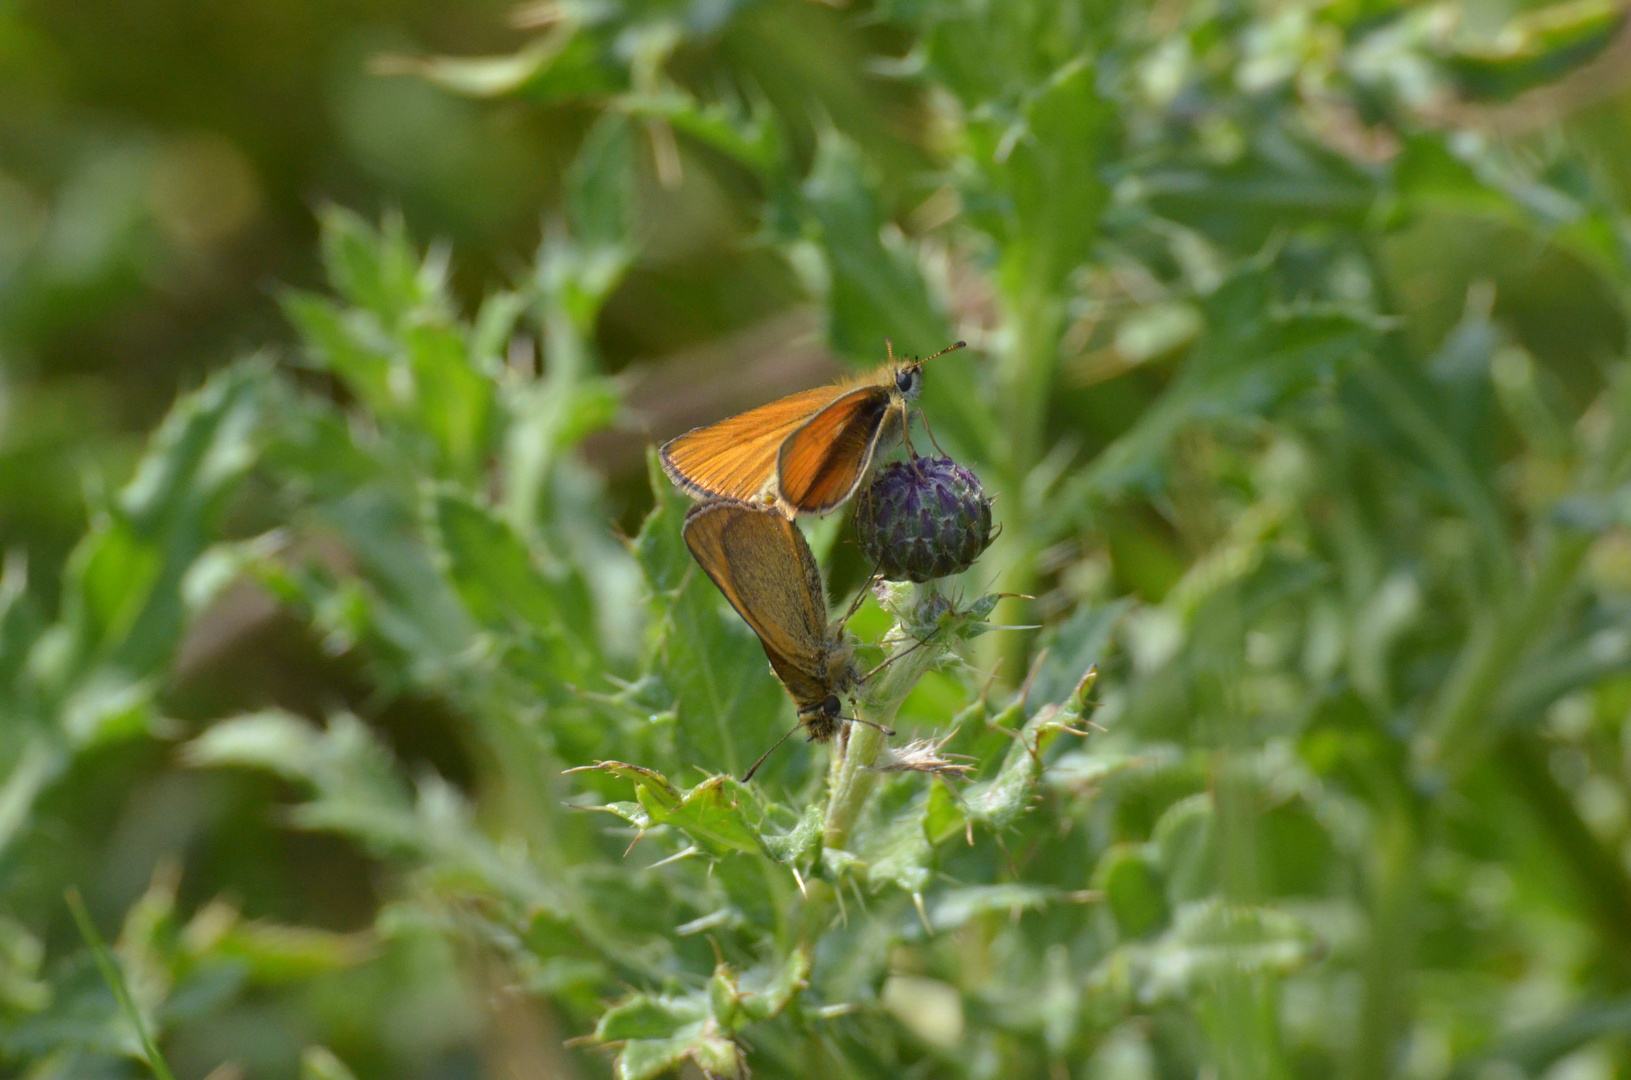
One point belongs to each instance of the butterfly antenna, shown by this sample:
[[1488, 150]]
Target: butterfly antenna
[[772, 749], [889, 347], [906, 416], [869, 723]]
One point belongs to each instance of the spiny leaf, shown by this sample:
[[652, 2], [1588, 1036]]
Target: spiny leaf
[[954, 907], [537, 607], [645, 1059], [1000, 800], [122, 589], [1209, 940], [710, 813], [1250, 360]]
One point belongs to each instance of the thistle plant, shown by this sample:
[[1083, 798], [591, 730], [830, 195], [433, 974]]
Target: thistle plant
[[1314, 769], [864, 835]]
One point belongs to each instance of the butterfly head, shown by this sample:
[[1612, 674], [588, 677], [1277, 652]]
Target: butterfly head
[[822, 718], [909, 381], [909, 376]]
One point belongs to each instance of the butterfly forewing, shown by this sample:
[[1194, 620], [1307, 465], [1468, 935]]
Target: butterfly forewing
[[807, 452], [821, 463], [736, 458], [763, 565]]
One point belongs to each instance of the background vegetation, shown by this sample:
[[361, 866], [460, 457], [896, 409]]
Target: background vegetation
[[1297, 366]]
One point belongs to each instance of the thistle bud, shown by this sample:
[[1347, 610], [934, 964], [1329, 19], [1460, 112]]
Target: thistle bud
[[923, 519]]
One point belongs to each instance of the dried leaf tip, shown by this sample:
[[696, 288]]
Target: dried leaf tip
[[925, 756], [1085, 687]]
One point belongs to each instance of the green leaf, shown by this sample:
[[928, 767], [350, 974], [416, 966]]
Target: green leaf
[[1185, 847], [406, 602], [1133, 890], [955, 907], [660, 1033], [754, 141], [710, 813], [874, 291], [357, 790], [96, 672], [1209, 940], [999, 801], [278, 953], [19, 628], [321, 1063], [115, 572], [21, 955], [756, 995], [346, 756], [1536, 47], [108, 706], [379, 270], [568, 62], [122, 595], [799, 843], [1046, 169], [1251, 360], [510, 591], [646, 1059], [645, 1017], [347, 343], [766, 990], [1429, 177], [453, 399], [891, 840], [600, 186]]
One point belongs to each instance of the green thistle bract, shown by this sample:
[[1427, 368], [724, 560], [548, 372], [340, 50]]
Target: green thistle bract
[[923, 519]]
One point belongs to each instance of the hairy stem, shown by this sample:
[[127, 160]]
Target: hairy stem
[[850, 780], [1386, 1007]]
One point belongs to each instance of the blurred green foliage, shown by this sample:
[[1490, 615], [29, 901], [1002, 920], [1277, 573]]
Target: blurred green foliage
[[1297, 364]]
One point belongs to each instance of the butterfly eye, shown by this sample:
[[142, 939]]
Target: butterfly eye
[[832, 706], [907, 380]]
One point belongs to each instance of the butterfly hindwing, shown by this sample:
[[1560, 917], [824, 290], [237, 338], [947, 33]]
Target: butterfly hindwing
[[761, 562], [822, 462]]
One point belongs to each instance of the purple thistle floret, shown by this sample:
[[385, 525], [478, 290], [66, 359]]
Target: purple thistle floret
[[923, 519]]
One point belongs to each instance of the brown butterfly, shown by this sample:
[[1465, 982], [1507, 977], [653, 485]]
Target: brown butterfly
[[806, 452], [761, 562]]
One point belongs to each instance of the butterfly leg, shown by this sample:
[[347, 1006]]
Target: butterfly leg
[[860, 596], [904, 652], [930, 432]]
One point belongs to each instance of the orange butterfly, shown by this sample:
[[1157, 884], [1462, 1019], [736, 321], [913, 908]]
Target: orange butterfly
[[808, 451], [761, 562]]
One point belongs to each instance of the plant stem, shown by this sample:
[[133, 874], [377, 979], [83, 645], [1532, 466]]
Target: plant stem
[[116, 983], [1455, 730], [850, 780], [1386, 1008], [1035, 323]]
